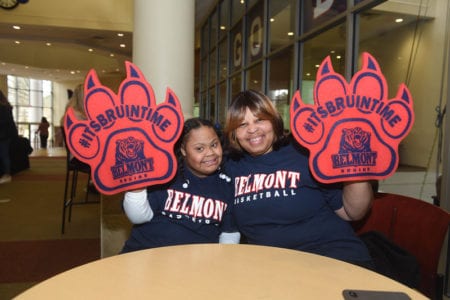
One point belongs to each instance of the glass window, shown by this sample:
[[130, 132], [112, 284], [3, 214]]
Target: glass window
[[204, 75], [237, 10], [202, 105], [212, 68], [222, 104], [205, 40], [236, 47], [224, 26], [255, 34], [212, 105], [317, 13], [329, 43], [390, 44], [281, 72], [31, 99], [254, 78], [214, 28], [223, 60], [236, 85], [281, 22]]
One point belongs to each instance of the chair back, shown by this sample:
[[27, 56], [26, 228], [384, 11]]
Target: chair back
[[415, 225]]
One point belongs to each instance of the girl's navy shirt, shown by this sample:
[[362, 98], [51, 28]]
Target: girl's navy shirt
[[196, 213], [278, 203]]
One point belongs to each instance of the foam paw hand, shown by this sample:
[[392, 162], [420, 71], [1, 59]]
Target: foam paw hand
[[353, 130], [126, 139]]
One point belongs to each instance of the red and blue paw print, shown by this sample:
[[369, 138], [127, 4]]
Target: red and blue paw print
[[127, 139], [353, 130]]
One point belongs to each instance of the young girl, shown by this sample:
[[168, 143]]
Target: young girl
[[195, 207]]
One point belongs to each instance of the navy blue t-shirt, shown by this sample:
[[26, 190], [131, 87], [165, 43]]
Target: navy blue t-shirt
[[278, 203], [197, 213]]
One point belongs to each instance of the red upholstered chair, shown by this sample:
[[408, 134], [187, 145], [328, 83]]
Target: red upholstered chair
[[416, 226]]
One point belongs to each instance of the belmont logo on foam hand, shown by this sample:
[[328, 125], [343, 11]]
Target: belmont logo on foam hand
[[354, 149], [351, 125], [126, 138], [130, 158]]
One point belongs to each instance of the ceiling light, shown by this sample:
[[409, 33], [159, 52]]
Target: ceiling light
[[290, 33], [120, 34], [338, 57], [16, 27], [122, 45], [111, 54], [398, 20], [48, 44], [17, 42], [91, 50], [222, 27], [272, 19]]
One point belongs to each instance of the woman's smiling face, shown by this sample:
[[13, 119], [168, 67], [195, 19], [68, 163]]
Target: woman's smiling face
[[254, 135]]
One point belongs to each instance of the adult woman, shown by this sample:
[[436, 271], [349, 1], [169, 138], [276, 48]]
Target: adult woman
[[195, 207], [277, 202], [43, 132]]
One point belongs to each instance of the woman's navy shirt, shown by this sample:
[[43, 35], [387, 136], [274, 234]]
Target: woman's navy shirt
[[278, 203]]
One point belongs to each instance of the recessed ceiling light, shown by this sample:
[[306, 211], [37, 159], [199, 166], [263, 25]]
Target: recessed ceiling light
[[272, 19], [338, 57], [17, 42], [120, 34], [122, 45], [48, 44], [91, 50], [290, 33], [111, 54], [16, 27], [398, 20], [222, 27]]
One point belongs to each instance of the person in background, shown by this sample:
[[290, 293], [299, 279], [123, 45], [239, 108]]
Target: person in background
[[43, 132], [277, 202], [76, 101], [8, 132], [195, 207]]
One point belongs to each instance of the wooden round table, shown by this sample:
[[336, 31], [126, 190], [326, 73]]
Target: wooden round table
[[213, 271]]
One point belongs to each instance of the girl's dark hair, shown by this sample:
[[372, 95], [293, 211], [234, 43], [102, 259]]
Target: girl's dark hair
[[262, 107]]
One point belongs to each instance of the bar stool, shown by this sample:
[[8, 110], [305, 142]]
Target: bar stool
[[74, 166]]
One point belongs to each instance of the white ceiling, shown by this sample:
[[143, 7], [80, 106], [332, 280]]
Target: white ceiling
[[68, 58]]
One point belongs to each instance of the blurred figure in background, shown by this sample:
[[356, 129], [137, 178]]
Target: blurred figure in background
[[43, 132], [8, 131]]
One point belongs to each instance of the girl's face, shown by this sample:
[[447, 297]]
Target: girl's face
[[202, 151], [255, 136]]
